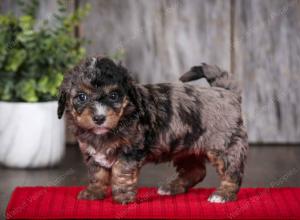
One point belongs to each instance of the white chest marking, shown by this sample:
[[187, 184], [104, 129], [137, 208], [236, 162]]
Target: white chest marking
[[100, 158]]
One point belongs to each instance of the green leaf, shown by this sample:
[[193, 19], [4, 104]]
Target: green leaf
[[26, 22], [56, 81], [6, 90], [15, 59], [27, 37], [42, 85], [26, 90]]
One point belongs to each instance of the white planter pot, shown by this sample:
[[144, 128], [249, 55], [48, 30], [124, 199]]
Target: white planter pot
[[31, 135]]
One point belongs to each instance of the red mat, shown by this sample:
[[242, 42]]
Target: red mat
[[61, 203]]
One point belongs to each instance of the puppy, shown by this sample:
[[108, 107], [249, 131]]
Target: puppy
[[121, 125]]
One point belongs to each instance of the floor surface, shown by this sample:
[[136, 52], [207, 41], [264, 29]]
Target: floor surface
[[267, 166]]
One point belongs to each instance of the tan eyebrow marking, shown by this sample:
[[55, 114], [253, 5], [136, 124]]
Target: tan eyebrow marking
[[86, 88], [109, 88]]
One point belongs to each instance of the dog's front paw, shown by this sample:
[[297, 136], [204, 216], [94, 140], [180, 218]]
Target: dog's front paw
[[89, 195], [124, 198]]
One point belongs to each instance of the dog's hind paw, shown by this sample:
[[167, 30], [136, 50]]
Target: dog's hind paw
[[163, 192], [222, 197], [216, 199], [171, 189]]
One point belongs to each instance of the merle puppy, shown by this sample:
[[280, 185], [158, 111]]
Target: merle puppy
[[121, 125]]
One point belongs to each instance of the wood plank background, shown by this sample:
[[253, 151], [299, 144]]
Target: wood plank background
[[259, 41], [267, 55], [161, 39]]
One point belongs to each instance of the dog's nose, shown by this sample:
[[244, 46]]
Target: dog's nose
[[99, 119]]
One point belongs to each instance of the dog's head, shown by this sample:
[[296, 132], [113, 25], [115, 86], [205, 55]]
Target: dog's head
[[97, 93]]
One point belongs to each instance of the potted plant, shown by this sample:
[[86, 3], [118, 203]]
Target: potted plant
[[33, 57]]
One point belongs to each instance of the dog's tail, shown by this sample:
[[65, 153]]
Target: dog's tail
[[214, 75]]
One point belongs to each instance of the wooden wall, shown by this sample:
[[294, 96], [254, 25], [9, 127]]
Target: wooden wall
[[259, 41], [161, 39], [267, 62]]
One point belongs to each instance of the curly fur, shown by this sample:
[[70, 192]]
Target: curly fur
[[176, 122]]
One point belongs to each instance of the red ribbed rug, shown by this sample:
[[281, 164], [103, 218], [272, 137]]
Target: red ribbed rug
[[61, 203]]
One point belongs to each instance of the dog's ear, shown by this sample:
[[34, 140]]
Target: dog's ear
[[61, 104], [136, 99]]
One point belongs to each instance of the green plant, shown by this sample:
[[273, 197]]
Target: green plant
[[34, 54]]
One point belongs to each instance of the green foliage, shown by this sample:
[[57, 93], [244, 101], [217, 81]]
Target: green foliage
[[34, 54]]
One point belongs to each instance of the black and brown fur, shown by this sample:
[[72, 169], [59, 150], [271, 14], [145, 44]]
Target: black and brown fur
[[178, 122]]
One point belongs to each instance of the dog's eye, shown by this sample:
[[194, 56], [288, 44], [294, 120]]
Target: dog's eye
[[82, 97], [114, 96]]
